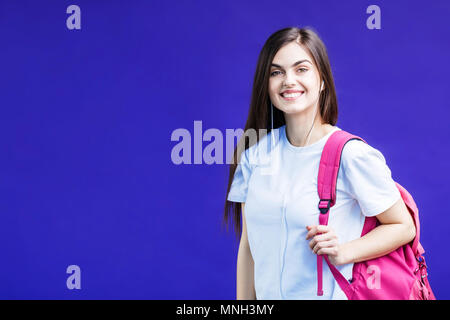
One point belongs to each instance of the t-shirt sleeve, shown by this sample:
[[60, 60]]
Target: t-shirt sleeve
[[368, 178], [239, 186]]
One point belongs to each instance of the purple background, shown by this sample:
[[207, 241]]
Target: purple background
[[86, 118]]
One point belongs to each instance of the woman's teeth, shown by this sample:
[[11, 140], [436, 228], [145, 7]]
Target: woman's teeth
[[291, 95]]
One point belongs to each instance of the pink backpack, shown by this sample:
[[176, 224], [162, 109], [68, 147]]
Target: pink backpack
[[399, 275]]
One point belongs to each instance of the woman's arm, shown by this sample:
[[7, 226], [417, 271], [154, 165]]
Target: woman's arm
[[396, 229], [245, 286]]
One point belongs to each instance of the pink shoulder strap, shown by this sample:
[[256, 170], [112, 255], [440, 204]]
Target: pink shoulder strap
[[326, 185]]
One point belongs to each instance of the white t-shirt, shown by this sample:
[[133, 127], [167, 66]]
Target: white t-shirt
[[278, 184]]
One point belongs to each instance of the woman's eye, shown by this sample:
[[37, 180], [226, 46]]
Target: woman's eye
[[277, 72], [274, 73]]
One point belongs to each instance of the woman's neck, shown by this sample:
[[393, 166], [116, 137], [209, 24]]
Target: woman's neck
[[301, 132]]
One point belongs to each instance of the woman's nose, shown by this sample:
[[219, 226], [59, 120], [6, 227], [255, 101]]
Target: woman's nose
[[289, 79]]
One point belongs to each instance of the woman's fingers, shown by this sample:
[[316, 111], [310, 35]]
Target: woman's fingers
[[332, 251], [324, 240], [322, 237], [324, 245], [313, 230]]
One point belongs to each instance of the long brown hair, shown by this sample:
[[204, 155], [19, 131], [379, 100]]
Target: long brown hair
[[259, 113]]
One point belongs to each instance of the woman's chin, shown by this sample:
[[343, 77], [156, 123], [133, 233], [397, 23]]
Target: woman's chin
[[293, 108]]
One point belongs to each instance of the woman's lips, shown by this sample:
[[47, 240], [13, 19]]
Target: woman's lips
[[291, 95]]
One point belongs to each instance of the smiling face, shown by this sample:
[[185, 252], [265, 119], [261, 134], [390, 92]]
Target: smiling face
[[294, 82]]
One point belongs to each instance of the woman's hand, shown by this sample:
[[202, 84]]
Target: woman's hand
[[325, 241]]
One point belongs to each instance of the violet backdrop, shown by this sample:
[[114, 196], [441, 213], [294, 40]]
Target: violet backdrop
[[86, 119]]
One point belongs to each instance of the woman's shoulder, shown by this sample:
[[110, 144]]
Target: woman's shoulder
[[357, 150]]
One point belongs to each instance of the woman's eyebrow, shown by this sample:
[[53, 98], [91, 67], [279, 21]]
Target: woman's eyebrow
[[296, 63]]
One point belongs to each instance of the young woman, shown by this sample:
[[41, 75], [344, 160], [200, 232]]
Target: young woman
[[294, 99]]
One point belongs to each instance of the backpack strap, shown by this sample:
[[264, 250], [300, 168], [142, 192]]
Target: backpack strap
[[414, 211], [326, 185]]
